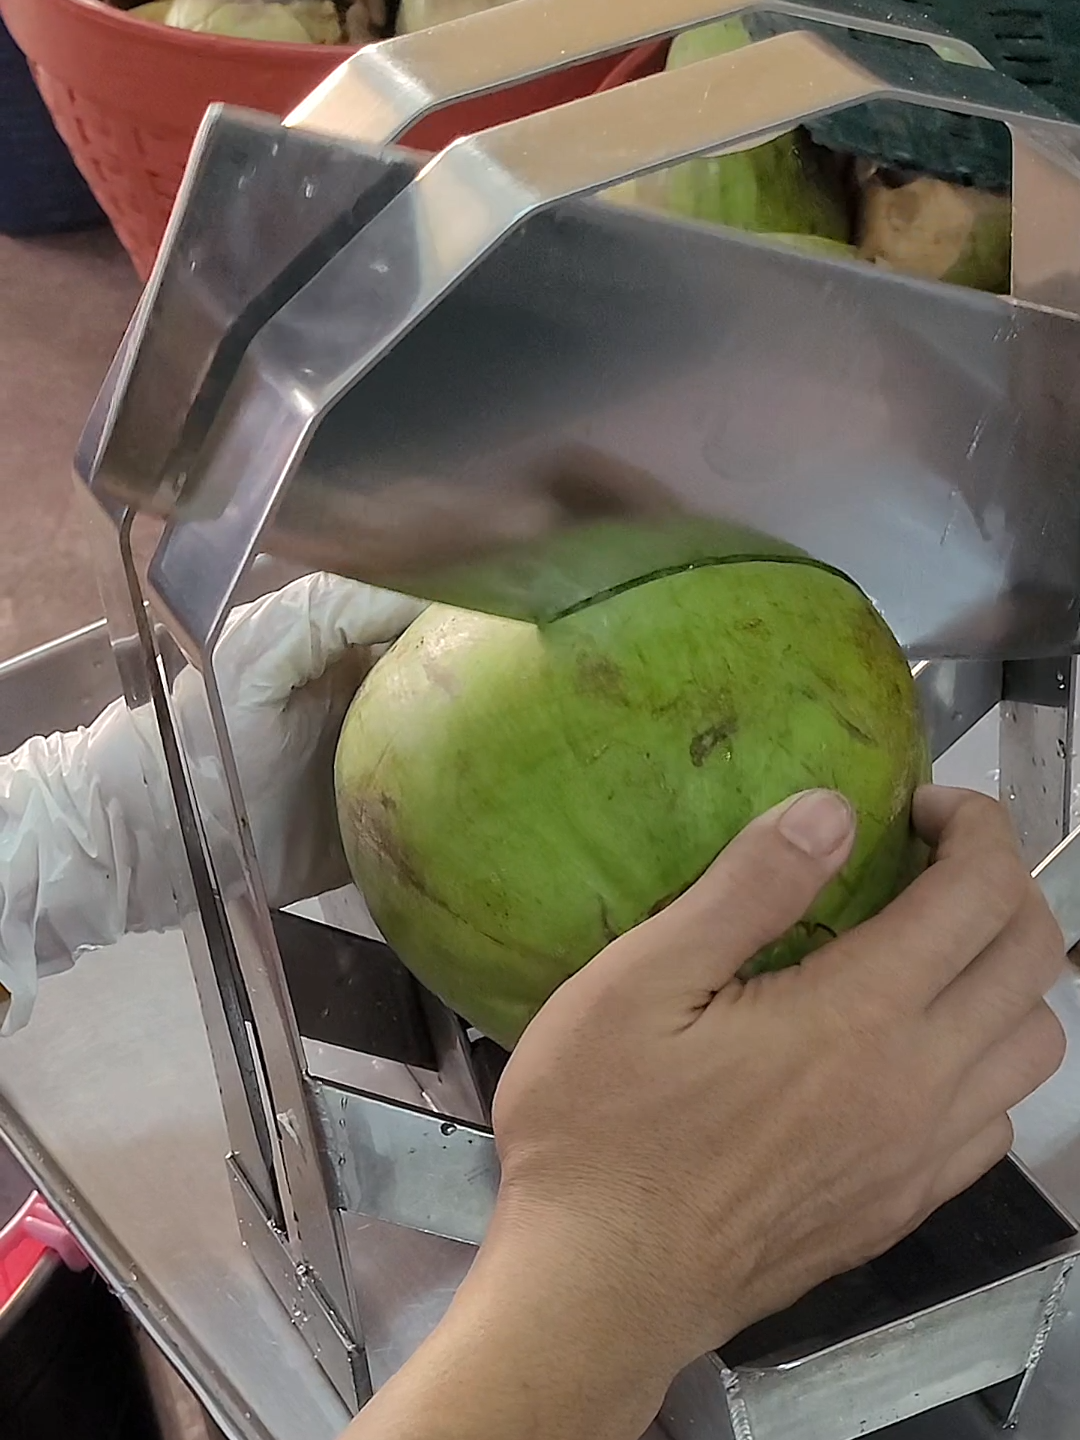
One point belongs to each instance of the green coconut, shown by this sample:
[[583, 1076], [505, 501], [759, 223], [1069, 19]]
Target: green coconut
[[779, 187], [512, 798]]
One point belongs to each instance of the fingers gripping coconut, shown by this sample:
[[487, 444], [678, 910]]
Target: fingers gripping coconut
[[683, 1153], [514, 798]]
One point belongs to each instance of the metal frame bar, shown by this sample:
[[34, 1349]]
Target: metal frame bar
[[290, 1251], [385, 89]]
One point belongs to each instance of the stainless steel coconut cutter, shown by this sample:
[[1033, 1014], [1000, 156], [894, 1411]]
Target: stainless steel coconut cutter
[[466, 379]]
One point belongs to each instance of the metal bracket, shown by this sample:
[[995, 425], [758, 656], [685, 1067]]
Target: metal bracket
[[408, 1166]]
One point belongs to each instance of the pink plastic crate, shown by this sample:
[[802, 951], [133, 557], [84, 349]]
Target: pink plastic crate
[[31, 1233]]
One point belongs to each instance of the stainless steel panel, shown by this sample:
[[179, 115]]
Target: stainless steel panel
[[123, 1128], [339, 1352], [1036, 753], [120, 1124], [885, 1377], [963, 1305], [408, 1166], [739, 399], [1059, 876], [145, 661], [182, 348], [955, 696], [212, 289], [58, 686], [233, 949]]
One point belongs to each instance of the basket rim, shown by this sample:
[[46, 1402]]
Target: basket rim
[[112, 17]]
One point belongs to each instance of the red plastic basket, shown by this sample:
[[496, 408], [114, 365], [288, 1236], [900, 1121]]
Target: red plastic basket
[[128, 95]]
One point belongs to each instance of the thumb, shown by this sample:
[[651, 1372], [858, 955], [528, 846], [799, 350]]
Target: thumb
[[760, 885]]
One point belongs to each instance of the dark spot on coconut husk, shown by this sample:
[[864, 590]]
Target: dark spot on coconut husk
[[601, 676], [714, 737], [831, 702], [606, 927]]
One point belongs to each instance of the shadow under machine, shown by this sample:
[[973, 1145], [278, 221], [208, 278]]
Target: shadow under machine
[[352, 359]]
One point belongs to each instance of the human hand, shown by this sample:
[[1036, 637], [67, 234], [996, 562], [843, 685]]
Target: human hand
[[287, 668], [683, 1154], [82, 853]]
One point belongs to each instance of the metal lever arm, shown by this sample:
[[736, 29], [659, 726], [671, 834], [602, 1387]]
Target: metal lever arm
[[727, 102], [479, 189], [458, 209], [384, 89], [190, 327]]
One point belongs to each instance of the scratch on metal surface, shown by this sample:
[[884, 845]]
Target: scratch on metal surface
[[740, 1417], [1038, 1345]]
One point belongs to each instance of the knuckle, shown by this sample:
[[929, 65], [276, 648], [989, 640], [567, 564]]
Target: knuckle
[[1004, 882], [1003, 1139], [989, 886], [991, 817], [1033, 1055], [1036, 940], [1050, 1043], [870, 1012], [1046, 932], [905, 1210], [858, 1014], [974, 801]]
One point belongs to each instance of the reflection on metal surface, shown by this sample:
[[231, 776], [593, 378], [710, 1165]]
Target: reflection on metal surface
[[405, 1280], [121, 1127], [29, 707], [355, 993], [178, 1413], [384, 89], [955, 695], [409, 1167], [339, 1351], [183, 349], [1036, 752], [183, 346], [1045, 263]]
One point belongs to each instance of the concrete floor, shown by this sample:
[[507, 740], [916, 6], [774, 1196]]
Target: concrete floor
[[64, 302]]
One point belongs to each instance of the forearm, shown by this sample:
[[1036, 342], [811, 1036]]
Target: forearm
[[531, 1347], [80, 855]]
